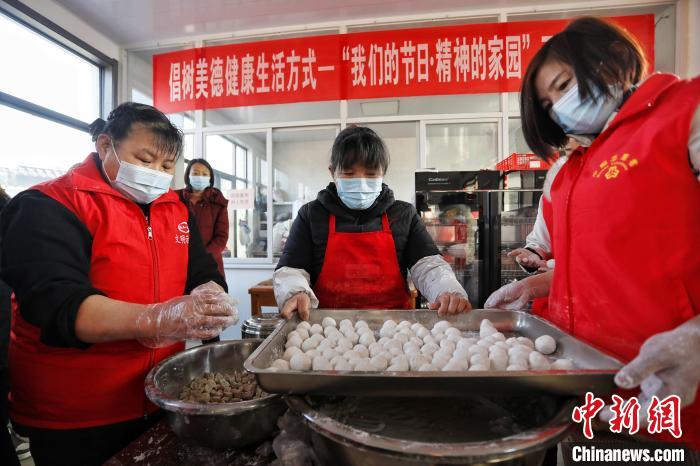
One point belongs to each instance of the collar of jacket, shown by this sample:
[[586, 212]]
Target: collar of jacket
[[210, 195]]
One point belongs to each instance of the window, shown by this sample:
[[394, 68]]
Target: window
[[52, 89], [462, 146]]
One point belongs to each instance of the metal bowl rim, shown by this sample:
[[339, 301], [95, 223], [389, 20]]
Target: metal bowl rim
[[518, 444], [165, 401]]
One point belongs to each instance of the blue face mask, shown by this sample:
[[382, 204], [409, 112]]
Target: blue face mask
[[587, 116], [199, 183], [140, 184], [358, 193]]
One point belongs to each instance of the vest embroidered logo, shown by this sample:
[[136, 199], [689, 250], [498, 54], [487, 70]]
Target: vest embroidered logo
[[611, 169], [183, 227]]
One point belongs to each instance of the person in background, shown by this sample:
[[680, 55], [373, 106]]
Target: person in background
[[8, 454], [353, 246], [587, 82], [209, 207], [109, 275]]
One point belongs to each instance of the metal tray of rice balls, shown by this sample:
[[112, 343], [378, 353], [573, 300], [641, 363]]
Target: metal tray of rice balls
[[569, 367]]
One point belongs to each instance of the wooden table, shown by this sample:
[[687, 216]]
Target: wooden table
[[263, 294]]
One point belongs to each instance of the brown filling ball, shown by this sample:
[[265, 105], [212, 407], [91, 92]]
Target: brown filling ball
[[215, 387]]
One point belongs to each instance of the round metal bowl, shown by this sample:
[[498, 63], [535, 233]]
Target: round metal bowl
[[388, 432], [215, 425]]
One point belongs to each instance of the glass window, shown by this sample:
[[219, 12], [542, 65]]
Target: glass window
[[425, 105], [240, 167], [295, 151], [461, 146], [514, 102], [516, 138], [45, 73], [24, 164], [265, 114]]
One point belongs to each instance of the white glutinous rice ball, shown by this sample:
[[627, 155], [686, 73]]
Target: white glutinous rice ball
[[383, 340], [351, 354], [393, 344], [403, 338], [422, 332], [353, 337], [408, 332], [401, 359], [361, 323], [309, 344], [499, 361], [485, 342], [526, 342], [305, 325], [429, 349], [519, 349], [335, 337], [448, 344], [366, 339], [415, 362], [365, 366], [461, 353], [375, 349], [328, 322], [328, 331], [502, 345], [316, 328], [416, 341], [428, 339], [476, 349], [312, 353], [453, 331], [538, 361], [342, 365], [379, 362], [427, 368], [438, 336], [317, 336], [443, 353], [545, 344], [511, 341], [397, 368], [335, 359], [294, 341], [480, 360], [330, 353], [273, 369], [416, 326], [452, 366], [361, 350], [465, 343], [291, 351], [519, 360], [344, 344], [441, 326], [486, 329], [498, 336], [439, 363], [388, 332], [463, 363], [403, 325], [280, 364], [324, 345], [345, 323], [362, 330], [411, 348], [294, 333], [320, 363], [453, 338], [300, 362], [395, 351], [563, 365], [478, 367]]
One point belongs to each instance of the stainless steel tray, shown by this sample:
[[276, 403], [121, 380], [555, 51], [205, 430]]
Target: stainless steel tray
[[594, 370]]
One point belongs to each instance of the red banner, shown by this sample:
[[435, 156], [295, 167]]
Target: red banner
[[474, 58]]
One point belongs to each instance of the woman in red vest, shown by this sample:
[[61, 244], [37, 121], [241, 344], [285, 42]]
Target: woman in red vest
[[632, 187], [109, 275], [353, 246]]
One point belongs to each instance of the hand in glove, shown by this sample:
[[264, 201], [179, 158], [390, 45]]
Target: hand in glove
[[450, 303], [201, 315], [667, 364], [529, 259], [515, 296], [301, 303]]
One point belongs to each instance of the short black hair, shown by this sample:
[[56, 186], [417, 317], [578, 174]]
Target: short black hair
[[359, 144], [189, 168], [122, 119], [600, 53]]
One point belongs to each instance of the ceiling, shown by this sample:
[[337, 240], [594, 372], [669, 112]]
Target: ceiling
[[136, 21]]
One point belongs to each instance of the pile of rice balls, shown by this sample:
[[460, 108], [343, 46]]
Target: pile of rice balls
[[405, 346]]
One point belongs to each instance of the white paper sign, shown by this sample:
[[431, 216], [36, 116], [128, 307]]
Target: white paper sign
[[241, 199]]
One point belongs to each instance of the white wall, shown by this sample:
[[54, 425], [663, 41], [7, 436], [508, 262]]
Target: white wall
[[688, 38], [75, 25], [239, 281]]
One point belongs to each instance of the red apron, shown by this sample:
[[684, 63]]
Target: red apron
[[361, 271]]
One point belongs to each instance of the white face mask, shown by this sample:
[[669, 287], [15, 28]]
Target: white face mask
[[358, 193], [587, 116], [140, 184]]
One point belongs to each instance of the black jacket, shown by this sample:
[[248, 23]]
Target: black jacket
[[5, 294], [46, 252], [306, 245]]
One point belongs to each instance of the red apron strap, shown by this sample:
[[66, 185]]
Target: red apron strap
[[385, 223], [331, 224]]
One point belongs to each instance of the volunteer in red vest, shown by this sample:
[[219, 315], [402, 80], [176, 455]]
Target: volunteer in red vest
[[353, 246], [110, 276], [634, 187]]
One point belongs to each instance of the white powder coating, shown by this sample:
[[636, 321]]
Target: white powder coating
[[545, 344]]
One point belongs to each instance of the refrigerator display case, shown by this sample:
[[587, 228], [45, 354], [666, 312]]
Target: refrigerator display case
[[476, 218]]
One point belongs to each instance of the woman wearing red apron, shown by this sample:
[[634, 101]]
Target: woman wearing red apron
[[634, 186], [353, 246]]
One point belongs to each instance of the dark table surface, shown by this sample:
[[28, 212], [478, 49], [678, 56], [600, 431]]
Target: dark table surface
[[159, 446]]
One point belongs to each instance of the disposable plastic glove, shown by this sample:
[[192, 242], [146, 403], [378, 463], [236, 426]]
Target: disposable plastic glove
[[201, 315], [515, 296], [667, 364], [528, 258]]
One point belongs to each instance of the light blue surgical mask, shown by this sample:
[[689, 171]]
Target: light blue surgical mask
[[140, 184], [199, 183], [587, 116], [358, 193]]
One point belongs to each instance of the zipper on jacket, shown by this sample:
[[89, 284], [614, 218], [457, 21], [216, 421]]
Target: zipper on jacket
[[156, 295]]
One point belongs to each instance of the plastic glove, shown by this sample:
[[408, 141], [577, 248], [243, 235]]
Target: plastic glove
[[528, 258], [202, 315], [450, 303], [515, 296], [301, 303], [667, 364]]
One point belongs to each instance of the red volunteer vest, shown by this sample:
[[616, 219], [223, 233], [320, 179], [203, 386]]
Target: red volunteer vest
[[67, 388], [625, 224], [361, 271]]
